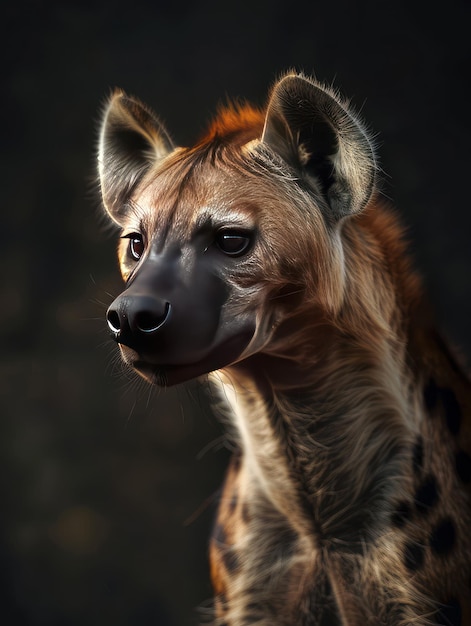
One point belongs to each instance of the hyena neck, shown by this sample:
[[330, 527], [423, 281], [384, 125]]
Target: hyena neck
[[329, 456], [335, 428]]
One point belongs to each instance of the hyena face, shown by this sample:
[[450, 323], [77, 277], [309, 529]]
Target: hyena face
[[224, 243], [184, 255]]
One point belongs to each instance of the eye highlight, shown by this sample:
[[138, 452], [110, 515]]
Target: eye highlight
[[136, 245], [233, 243]]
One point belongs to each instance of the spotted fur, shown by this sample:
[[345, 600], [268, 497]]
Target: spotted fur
[[348, 501]]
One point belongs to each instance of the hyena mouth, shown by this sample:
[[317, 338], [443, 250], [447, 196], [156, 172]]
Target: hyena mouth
[[166, 375]]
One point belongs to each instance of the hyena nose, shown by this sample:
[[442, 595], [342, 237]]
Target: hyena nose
[[136, 316]]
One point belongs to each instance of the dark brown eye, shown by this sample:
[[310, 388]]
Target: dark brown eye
[[136, 245], [233, 243]]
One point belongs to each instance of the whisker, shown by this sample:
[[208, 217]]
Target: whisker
[[215, 444], [202, 508], [285, 295]]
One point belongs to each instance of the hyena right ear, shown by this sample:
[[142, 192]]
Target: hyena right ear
[[315, 133], [131, 141]]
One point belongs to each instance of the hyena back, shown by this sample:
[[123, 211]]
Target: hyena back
[[263, 257]]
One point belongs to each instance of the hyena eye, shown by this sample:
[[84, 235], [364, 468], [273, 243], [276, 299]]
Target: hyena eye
[[232, 243], [136, 245]]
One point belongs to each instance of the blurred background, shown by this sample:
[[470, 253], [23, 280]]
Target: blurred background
[[108, 486]]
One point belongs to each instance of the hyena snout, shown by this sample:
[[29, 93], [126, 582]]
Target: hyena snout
[[174, 320], [134, 318]]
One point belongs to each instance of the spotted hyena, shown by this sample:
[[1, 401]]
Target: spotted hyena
[[264, 257]]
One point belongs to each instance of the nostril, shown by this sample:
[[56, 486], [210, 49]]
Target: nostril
[[114, 323], [149, 321]]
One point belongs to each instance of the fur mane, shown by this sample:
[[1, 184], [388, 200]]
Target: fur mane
[[236, 122]]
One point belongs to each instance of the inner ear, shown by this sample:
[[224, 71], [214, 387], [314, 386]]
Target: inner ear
[[317, 135], [317, 146], [128, 142], [132, 140]]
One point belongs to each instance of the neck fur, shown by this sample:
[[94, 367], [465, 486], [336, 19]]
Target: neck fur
[[327, 437]]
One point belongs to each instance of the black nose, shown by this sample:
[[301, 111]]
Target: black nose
[[133, 317]]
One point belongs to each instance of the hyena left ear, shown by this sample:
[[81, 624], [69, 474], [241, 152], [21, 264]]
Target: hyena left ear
[[131, 141], [315, 134]]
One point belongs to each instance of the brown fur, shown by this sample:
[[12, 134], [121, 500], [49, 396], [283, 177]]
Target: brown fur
[[349, 499]]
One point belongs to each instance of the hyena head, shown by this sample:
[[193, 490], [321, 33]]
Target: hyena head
[[226, 244]]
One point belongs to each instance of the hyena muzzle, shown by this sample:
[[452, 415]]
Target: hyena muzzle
[[264, 258], [205, 252]]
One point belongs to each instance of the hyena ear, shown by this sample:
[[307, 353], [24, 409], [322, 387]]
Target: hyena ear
[[314, 133], [131, 141]]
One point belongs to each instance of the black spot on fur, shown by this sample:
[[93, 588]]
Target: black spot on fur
[[427, 494], [435, 397], [233, 501], [443, 537], [453, 415], [449, 614], [418, 456], [230, 559], [329, 616], [402, 514], [246, 516], [463, 466], [219, 534], [236, 461], [254, 613], [322, 607], [431, 396], [222, 600], [413, 556]]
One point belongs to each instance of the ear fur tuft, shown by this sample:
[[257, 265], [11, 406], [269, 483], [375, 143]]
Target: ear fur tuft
[[311, 128]]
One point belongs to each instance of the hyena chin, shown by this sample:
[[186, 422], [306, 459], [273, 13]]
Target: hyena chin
[[263, 257]]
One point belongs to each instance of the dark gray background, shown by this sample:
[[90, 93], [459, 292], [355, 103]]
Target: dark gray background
[[107, 486]]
